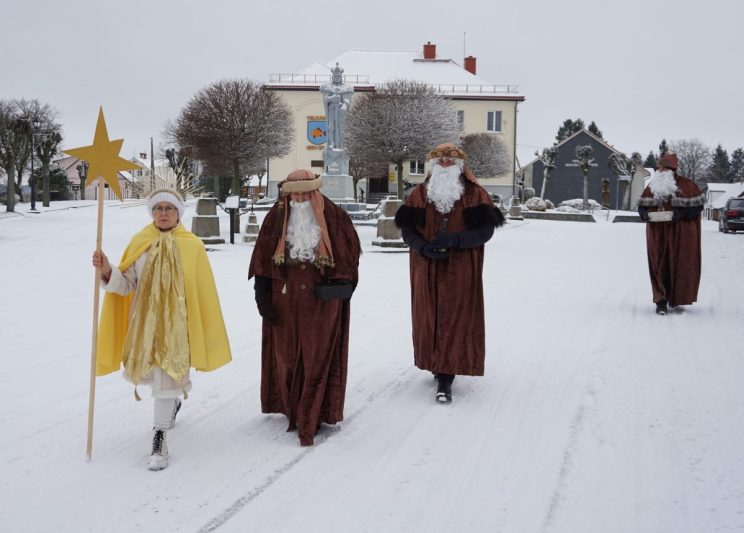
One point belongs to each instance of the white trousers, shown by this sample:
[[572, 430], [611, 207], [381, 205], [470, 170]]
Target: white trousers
[[164, 410]]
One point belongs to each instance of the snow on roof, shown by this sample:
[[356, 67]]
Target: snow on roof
[[145, 161], [367, 68], [718, 193]]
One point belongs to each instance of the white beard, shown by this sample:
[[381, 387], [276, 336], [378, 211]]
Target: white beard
[[444, 187], [303, 231], [662, 184]]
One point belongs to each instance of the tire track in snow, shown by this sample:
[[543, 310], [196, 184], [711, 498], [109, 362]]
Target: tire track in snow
[[243, 501], [577, 425]]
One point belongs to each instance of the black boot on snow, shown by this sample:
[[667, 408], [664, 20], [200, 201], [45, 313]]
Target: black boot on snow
[[661, 308], [444, 388]]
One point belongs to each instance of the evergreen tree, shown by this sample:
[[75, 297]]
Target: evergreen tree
[[650, 161], [663, 148], [736, 172], [595, 130], [720, 167], [568, 128]]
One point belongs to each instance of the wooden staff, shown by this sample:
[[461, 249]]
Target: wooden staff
[[94, 336]]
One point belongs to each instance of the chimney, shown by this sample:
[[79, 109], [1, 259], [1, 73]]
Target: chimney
[[470, 64], [430, 51]]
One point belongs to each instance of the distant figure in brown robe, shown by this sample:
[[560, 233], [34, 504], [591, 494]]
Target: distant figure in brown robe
[[306, 267], [446, 221], [671, 204]]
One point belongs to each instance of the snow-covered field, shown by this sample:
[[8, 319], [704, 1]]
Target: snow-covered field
[[595, 415]]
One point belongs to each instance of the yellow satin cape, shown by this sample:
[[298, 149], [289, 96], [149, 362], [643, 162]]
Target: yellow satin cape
[[210, 348]]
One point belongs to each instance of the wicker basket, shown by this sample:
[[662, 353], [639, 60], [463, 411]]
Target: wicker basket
[[660, 216]]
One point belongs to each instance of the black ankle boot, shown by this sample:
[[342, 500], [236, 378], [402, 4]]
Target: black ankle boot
[[444, 388], [661, 308]]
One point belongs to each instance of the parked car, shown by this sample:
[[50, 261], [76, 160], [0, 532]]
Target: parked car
[[732, 217]]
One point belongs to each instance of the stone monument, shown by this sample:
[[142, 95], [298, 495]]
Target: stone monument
[[388, 234], [251, 228], [205, 224], [337, 183]]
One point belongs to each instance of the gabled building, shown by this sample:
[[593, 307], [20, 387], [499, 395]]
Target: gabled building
[[69, 165], [481, 106], [567, 180]]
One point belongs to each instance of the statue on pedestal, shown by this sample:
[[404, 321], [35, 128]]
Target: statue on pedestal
[[336, 101]]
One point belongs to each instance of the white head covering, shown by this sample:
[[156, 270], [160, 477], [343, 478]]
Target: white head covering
[[166, 195]]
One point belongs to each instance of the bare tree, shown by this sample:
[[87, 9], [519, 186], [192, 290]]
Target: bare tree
[[231, 125], [13, 137], [82, 171], [694, 157], [183, 167], [46, 134], [547, 158], [584, 156], [487, 154], [622, 165], [400, 121]]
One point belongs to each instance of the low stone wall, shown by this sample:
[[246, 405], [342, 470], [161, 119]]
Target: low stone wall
[[627, 218], [566, 217]]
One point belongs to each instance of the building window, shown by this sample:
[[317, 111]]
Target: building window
[[460, 120], [493, 122], [417, 167]]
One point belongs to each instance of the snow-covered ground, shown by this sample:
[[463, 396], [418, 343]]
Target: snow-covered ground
[[595, 415]]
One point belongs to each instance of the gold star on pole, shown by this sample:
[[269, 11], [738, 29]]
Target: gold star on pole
[[103, 157]]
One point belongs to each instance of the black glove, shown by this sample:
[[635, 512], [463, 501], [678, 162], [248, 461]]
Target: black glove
[[445, 240], [643, 213], [430, 251], [676, 214], [266, 308]]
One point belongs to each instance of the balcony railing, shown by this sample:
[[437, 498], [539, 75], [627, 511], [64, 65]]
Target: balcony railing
[[476, 89], [314, 79], [307, 79]]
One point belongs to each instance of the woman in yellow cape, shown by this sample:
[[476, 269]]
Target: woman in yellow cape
[[161, 314]]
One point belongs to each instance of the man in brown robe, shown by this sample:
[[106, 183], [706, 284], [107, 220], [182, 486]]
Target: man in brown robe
[[673, 245], [306, 267], [446, 221]]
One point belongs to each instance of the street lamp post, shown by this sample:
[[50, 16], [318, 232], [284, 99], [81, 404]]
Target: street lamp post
[[32, 178]]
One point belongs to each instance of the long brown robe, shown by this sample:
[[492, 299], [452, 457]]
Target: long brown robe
[[304, 356], [673, 248], [448, 319]]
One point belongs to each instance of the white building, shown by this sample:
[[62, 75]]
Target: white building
[[481, 106], [717, 195]]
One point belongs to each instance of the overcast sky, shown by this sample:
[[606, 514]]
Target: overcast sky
[[642, 69]]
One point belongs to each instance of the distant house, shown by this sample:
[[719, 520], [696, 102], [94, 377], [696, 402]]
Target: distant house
[[253, 187], [69, 166], [567, 180], [717, 195], [481, 107]]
